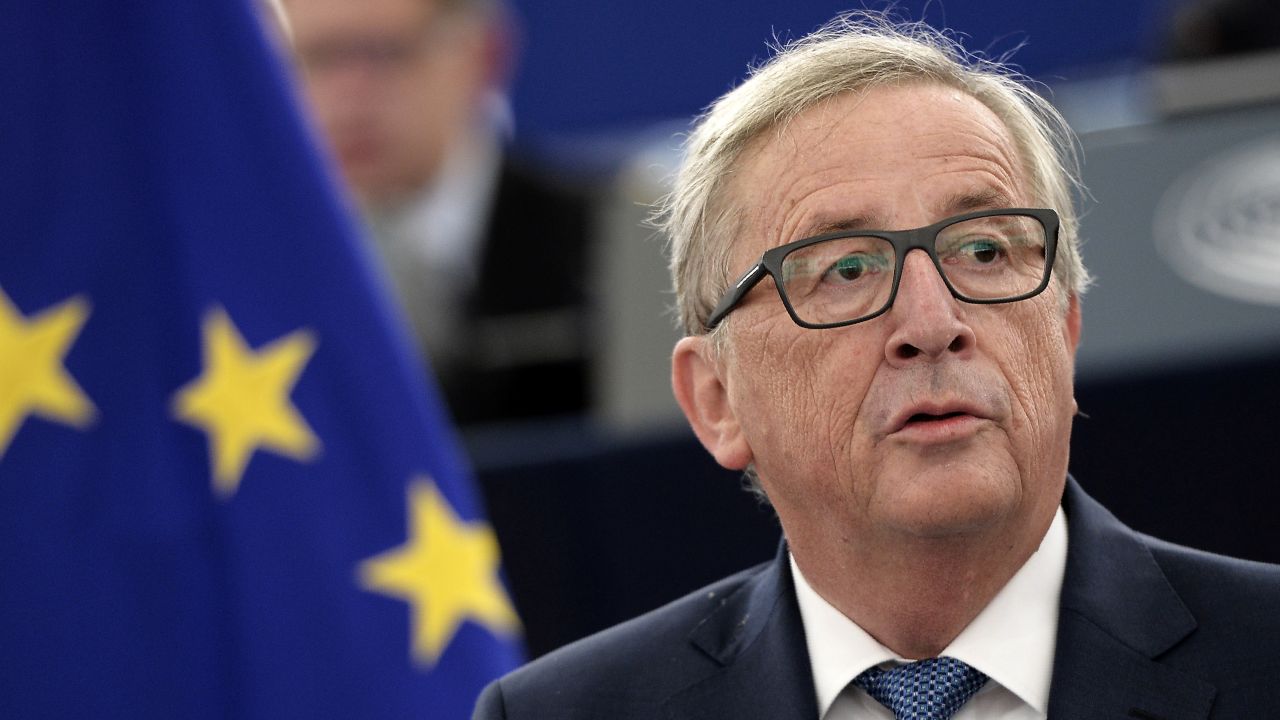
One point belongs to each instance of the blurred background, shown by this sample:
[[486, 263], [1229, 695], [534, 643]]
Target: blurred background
[[228, 484], [557, 368]]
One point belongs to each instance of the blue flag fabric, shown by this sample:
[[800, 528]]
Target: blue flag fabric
[[224, 489]]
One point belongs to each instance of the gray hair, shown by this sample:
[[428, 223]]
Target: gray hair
[[853, 53]]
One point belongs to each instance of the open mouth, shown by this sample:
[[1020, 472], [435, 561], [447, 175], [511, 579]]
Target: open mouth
[[928, 418]]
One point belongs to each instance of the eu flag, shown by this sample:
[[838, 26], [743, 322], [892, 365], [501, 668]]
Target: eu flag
[[225, 490]]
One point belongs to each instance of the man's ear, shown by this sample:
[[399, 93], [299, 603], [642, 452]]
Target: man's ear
[[704, 398], [1071, 333], [1073, 323]]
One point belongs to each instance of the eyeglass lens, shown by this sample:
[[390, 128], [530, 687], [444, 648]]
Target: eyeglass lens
[[847, 278]]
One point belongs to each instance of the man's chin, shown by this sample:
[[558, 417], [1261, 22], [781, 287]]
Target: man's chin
[[949, 501]]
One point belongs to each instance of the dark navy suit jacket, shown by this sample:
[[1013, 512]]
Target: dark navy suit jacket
[[1147, 630]]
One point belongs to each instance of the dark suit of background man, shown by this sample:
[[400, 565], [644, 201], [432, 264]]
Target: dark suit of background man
[[896, 374], [487, 254]]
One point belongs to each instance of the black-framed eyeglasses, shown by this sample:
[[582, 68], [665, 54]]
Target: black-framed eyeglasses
[[850, 276]]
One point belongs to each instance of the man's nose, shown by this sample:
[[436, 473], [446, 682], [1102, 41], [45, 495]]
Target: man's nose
[[928, 319]]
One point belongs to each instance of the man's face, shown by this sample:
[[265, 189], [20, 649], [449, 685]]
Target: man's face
[[392, 83], [935, 420]]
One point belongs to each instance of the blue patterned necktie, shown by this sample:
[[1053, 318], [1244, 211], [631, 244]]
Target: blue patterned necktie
[[932, 689]]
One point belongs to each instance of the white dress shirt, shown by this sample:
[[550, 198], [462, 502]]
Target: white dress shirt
[[1012, 640], [432, 245], [443, 224]]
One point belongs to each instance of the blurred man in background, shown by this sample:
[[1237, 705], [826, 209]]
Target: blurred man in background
[[486, 255]]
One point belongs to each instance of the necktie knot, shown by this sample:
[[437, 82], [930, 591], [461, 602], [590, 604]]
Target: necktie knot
[[932, 689]]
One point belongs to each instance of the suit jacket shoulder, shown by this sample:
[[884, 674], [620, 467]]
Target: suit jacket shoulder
[[732, 649], [1149, 629], [1236, 605], [528, 340], [1146, 630], [537, 242]]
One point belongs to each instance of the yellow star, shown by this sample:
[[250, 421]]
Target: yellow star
[[447, 572], [242, 399], [33, 380]]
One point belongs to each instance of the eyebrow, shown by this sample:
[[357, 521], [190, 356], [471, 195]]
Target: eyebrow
[[853, 223], [981, 200], [956, 204]]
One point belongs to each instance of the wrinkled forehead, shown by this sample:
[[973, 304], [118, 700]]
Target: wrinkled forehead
[[872, 159]]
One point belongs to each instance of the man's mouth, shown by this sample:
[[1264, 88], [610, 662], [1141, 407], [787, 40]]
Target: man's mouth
[[930, 417], [937, 423]]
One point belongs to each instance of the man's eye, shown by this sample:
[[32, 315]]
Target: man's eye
[[982, 252], [849, 268]]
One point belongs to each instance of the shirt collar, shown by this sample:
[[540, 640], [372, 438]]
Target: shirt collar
[[1012, 640]]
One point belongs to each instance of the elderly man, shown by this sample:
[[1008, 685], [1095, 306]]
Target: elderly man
[[876, 266], [408, 94]]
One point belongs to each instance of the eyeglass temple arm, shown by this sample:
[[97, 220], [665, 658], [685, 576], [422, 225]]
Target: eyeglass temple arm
[[733, 297]]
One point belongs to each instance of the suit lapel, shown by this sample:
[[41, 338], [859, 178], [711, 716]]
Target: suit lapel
[[756, 639], [1118, 616]]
